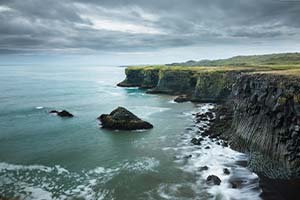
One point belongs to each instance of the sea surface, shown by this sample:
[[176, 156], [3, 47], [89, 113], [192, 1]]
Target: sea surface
[[43, 156]]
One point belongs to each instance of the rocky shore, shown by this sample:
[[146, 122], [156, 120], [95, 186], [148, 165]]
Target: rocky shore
[[258, 111]]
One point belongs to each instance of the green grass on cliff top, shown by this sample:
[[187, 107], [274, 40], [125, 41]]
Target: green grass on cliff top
[[285, 64], [262, 68]]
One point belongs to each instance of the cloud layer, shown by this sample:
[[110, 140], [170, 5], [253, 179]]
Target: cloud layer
[[88, 26]]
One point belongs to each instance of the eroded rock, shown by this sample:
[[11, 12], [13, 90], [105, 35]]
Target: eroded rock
[[123, 119], [62, 113]]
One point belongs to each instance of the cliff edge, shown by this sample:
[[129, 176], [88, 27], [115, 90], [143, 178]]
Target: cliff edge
[[259, 112]]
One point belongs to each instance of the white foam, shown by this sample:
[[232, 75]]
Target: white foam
[[216, 159], [140, 165], [39, 107]]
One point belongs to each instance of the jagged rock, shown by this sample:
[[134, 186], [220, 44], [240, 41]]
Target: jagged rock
[[196, 141], [226, 171], [204, 168], [62, 113], [122, 119], [213, 180], [182, 98], [225, 144], [188, 156]]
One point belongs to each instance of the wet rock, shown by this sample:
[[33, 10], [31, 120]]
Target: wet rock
[[225, 144], [196, 141], [188, 156], [236, 183], [122, 119], [207, 147], [182, 98], [62, 113], [213, 180], [210, 114], [204, 168], [226, 171]]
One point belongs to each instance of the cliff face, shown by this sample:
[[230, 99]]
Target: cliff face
[[213, 86], [262, 117], [266, 120], [175, 82], [199, 86], [140, 78]]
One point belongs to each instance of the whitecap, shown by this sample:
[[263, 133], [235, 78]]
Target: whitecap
[[39, 107]]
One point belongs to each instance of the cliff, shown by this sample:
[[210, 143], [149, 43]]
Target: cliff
[[202, 84], [266, 122], [260, 114]]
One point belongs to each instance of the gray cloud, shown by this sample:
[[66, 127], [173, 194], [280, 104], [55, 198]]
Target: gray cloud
[[142, 25]]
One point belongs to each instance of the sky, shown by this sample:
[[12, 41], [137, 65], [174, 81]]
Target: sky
[[121, 32]]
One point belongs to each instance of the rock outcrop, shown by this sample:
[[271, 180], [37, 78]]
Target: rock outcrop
[[213, 180], [182, 98], [122, 119], [260, 112], [62, 113], [266, 123]]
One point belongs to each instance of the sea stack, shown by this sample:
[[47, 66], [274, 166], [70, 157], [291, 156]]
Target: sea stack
[[123, 119]]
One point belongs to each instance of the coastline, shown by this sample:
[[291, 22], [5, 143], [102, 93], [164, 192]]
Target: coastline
[[248, 125]]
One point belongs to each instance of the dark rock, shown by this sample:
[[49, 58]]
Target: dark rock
[[204, 168], [188, 156], [53, 112], [182, 98], [196, 141], [236, 183], [65, 113], [218, 143], [213, 180], [225, 144], [122, 119], [62, 113], [210, 114], [207, 147], [226, 171]]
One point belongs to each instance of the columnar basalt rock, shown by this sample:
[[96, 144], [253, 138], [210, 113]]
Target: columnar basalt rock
[[260, 112], [266, 119]]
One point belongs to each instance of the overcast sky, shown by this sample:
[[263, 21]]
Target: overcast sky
[[145, 31]]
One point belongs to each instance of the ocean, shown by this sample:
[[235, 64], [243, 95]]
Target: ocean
[[43, 156]]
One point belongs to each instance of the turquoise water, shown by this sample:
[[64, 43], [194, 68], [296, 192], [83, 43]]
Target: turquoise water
[[43, 156]]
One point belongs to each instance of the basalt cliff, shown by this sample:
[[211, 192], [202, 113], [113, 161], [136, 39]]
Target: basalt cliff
[[258, 108]]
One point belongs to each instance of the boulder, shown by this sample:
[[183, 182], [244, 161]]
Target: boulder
[[226, 171], [182, 98], [204, 168], [196, 141], [213, 180], [62, 113], [123, 119]]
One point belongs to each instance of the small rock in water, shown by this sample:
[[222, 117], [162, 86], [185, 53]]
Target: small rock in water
[[62, 113], [188, 156], [204, 168], [65, 113], [207, 147], [225, 144], [236, 183], [195, 141], [226, 171], [181, 99], [213, 180]]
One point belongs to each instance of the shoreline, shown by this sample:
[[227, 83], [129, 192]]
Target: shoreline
[[272, 189]]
